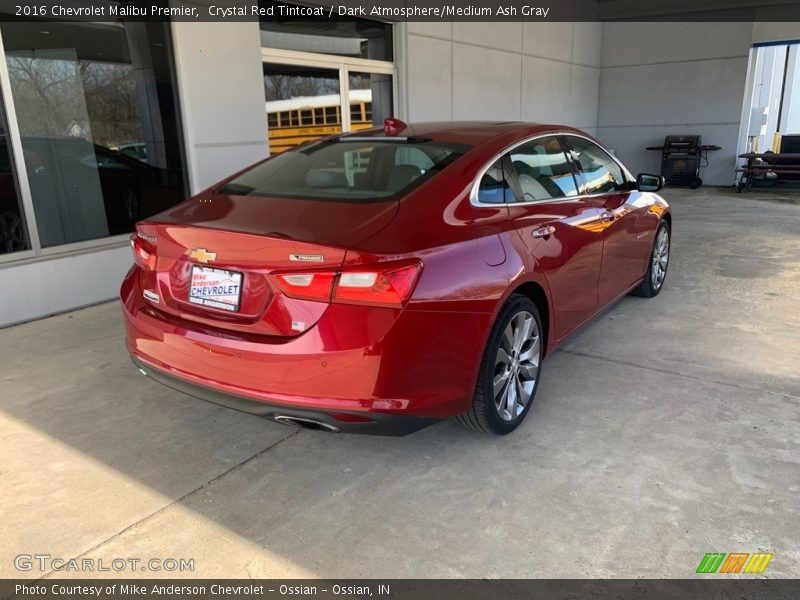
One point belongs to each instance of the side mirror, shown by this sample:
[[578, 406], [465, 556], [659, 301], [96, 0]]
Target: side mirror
[[649, 183]]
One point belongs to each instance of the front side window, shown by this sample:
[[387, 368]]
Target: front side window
[[347, 171], [601, 173], [542, 170]]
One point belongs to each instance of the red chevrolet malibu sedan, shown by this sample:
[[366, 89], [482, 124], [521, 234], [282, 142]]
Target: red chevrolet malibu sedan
[[383, 280]]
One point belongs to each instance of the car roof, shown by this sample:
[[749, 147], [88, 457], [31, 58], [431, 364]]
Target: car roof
[[472, 133]]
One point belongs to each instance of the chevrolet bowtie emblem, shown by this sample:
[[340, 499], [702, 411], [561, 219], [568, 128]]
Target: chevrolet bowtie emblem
[[202, 255]]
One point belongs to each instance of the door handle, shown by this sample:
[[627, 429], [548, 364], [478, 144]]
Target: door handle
[[543, 232]]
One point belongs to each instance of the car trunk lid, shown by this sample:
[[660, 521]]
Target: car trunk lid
[[234, 244]]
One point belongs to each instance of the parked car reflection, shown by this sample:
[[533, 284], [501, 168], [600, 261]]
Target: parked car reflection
[[12, 228], [88, 178], [135, 150]]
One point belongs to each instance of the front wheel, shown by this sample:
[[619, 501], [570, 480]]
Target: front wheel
[[509, 371], [657, 268]]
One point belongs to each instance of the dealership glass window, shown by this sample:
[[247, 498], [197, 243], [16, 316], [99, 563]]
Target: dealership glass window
[[13, 232], [304, 103], [353, 37], [542, 170], [340, 71], [370, 99], [293, 93], [96, 107]]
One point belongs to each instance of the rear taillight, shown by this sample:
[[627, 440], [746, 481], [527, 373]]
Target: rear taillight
[[308, 286], [382, 285], [144, 253], [392, 286]]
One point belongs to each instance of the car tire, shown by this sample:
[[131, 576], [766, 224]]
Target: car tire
[[657, 264], [513, 356]]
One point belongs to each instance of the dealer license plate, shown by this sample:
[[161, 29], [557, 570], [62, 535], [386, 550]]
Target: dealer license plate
[[217, 288]]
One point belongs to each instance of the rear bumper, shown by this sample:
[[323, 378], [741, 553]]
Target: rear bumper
[[378, 363], [303, 418]]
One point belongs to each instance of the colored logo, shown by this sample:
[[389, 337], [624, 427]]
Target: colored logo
[[736, 562], [202, 255]]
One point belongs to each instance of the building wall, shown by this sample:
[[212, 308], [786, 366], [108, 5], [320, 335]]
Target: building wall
[[775, 31], [515, 71], [53, 285], [222, 97], [659, 79]]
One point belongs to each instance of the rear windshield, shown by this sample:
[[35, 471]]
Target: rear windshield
[[362, 170]]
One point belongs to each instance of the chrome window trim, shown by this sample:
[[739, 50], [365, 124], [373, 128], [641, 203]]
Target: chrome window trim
[[473, 195]]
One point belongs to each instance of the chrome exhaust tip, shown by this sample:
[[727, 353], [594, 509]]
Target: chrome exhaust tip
[[303, 423]]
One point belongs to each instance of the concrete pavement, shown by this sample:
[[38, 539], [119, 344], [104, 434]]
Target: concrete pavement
[[667, 429]]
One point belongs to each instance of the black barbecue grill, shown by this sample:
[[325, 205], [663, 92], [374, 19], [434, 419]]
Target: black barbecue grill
[[682, 157]]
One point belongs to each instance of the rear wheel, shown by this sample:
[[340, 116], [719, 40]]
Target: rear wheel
[[509, 372], [657, 267]]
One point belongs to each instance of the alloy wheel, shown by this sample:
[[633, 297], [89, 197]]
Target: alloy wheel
[[660, 258], [516, 366]]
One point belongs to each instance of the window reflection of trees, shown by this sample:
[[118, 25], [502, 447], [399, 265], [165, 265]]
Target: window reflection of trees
[[284, 87], [48, 99], [97, 115]]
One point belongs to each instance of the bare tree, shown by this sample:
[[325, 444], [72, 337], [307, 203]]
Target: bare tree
[[285, 87], [54, 97]]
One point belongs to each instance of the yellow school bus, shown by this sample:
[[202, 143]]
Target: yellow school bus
[[292, 122]]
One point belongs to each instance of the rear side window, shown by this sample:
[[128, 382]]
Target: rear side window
[[542, 170], [601, 173], [493, 187], [362, 170]]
